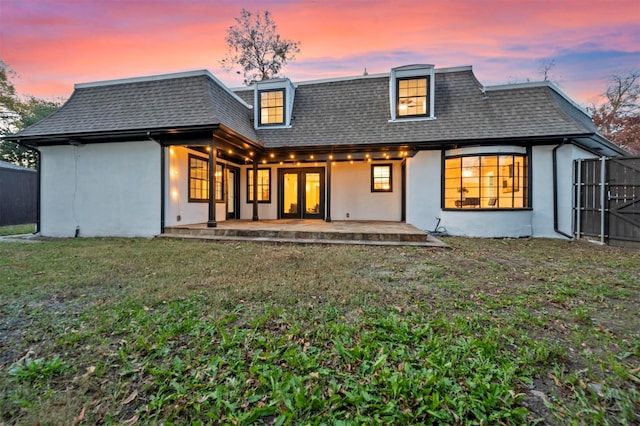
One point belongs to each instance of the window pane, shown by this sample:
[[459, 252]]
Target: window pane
[[381, 178], [486, 181], [412, 96], [272, 107], [198, 178], [263, 183]]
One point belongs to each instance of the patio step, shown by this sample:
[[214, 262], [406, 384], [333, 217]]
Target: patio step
[[370, 237]]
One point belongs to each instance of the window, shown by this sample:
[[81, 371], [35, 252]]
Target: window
[[486, 182], [199, 180], [219, 182], [264, 185], [381, 178], [272, 107], [411, 93], [412, 97], [273, 101]]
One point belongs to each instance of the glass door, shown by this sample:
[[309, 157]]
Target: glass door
[[233, 199], [290, 196], [302, 193]]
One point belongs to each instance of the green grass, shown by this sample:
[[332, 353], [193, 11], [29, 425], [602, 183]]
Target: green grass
[[27, 228], [164, 331]]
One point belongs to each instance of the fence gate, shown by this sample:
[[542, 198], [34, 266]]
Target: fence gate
[[607, 200]]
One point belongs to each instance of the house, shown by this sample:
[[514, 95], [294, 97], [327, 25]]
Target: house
[[18, 194], [129, 157]]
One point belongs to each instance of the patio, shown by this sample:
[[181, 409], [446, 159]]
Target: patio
[[309, 232]]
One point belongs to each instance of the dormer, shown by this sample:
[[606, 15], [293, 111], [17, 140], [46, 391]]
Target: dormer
[[273, 103], [411, 93]]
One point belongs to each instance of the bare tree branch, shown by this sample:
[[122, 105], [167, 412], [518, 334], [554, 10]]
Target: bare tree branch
[[255, 46]]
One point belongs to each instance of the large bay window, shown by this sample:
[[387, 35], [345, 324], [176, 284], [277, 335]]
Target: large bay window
[[486, 181]]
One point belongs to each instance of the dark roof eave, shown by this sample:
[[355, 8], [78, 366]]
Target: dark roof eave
[[109, 135], [439, 143]]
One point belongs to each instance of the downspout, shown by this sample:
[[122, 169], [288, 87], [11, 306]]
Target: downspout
[[162, 177], [39, 174], [555, 190]]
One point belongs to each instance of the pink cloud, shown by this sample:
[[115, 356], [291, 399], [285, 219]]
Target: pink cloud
[[53, 44]]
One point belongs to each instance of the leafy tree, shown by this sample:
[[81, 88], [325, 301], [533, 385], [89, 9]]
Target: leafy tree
[[618, 116], [8, 98], [17, 114], [255, 45]]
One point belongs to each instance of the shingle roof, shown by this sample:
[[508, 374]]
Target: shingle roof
[[357, 112], [350, 111], [178, 100]]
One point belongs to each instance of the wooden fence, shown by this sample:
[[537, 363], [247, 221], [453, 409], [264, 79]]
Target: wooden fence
[[607, 200], [18, 195]]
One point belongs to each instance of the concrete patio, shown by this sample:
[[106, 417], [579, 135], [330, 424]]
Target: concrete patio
[[309, 232]]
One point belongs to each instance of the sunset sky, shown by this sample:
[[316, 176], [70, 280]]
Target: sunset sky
[[52, 44]]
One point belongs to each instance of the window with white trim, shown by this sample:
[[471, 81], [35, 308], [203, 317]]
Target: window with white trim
[[411, 93], [273, 103]]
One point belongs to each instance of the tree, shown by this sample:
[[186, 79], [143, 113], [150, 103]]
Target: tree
[[618, 117], [546, 65], [8, 98], [17, 114], [254, 44]]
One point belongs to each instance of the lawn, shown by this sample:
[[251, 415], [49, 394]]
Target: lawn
[[17, 229], [136, 331]]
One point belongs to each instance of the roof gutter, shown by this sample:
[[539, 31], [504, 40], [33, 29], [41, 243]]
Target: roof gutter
[[121, 135], [555, 189], [162, 183]]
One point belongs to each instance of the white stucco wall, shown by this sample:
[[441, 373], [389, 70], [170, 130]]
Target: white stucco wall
[[542, 188], [351, 193], [177, 191], [424, 195], [106, 189], [424, 183]]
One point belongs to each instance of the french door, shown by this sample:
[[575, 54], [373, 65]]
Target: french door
[[301, 193], [233, 194]]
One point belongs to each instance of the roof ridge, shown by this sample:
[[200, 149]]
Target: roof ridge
[[354, 77], [143, 79], [537, 84]]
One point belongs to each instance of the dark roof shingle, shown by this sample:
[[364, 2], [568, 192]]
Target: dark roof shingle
[[357, 112], [182, 100], [326, 113]]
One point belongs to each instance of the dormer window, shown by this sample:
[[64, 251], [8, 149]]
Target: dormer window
[[273, 103], [411, 91], [271, 107], [412, 97]]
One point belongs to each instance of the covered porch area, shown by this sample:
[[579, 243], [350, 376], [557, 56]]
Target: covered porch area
[[309, 232]]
